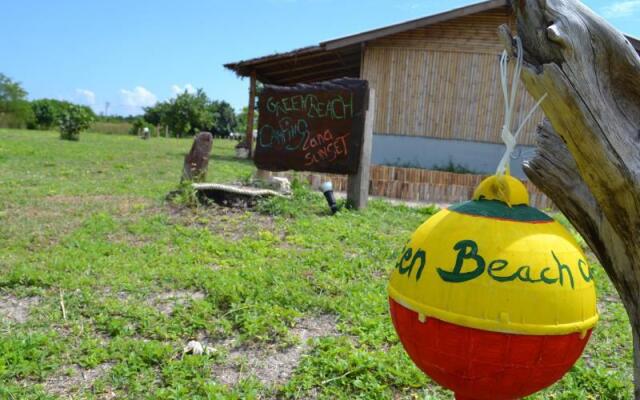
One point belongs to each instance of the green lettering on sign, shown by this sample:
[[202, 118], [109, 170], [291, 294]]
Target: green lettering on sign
[[467, 250]]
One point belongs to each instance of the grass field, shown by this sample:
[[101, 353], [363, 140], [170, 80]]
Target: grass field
[[111, 128], [291, 301]]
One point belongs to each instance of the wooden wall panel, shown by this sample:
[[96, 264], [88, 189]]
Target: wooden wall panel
[[474, 33], [444, 82]]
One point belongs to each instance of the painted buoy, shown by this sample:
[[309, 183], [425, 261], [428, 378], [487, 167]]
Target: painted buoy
[[492, 298]]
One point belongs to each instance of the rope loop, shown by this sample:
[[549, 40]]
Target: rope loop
[[508, 137]]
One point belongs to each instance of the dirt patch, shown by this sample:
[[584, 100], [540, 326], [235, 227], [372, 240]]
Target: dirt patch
[[14, 309], [109, 292], [74, 379], [166, 302], [274, 366], [214, 267], [231, 223]]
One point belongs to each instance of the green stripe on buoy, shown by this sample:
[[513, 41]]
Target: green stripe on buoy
[[499, 210]]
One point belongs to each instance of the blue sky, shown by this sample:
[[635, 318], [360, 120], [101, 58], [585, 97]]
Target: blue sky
[[131, 53]]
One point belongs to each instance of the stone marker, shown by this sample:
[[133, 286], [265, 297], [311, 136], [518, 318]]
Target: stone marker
[[196, 162]]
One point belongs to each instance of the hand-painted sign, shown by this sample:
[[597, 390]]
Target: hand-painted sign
[[312, 127]]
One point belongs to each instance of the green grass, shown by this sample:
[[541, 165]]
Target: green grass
[[111, 128], [87, 222]]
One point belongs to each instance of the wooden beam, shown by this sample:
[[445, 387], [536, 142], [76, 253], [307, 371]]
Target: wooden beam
[[288, 59], [251, 111], [363, 48], [321, 74], [322, 78], [334, 72], [277, 56], [358, 184], [334, 62], [278, 60]]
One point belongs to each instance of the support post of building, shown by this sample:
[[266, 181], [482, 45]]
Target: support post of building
[[250, 112], [358, 183]]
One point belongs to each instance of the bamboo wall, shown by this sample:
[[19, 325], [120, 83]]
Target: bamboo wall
[[418, 185], [443, 81]]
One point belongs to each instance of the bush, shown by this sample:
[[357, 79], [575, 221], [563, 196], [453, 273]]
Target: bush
[[48, 112], [75, 119], [138, 125]]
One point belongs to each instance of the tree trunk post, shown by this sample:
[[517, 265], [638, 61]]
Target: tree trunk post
[[358, 184], [588, 155], [250, 112]]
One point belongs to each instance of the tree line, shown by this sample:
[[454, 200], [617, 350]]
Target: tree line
[[189, 113], [181, 116], [18, 112]]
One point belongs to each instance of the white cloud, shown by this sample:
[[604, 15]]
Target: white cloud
[[176, 89], [138, 97], [620, 9], [87, 96]]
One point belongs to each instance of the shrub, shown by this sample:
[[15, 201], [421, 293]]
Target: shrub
[[48, 112], [140, 124], [73, 120]]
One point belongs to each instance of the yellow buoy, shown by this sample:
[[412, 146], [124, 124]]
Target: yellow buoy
[[493, 266], [495, 263]]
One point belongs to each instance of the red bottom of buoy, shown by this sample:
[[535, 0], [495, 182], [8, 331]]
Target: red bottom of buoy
[[483, 365]]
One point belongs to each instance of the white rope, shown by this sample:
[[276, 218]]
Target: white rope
[[510, 140]]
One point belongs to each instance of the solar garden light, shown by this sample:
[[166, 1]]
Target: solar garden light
[[327, 190]]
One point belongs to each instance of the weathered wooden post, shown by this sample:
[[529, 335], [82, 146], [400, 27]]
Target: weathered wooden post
[[358, 183], [250, 113], [588, 159]]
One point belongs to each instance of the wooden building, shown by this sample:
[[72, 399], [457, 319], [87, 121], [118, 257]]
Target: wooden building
[[438, 96]]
